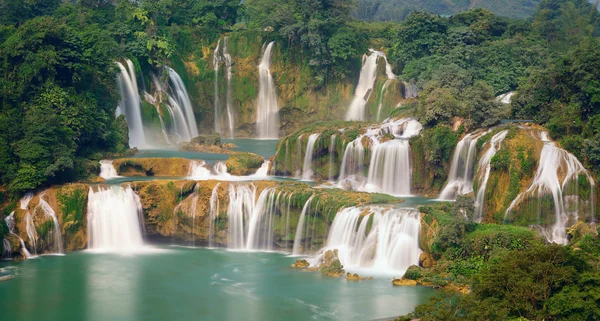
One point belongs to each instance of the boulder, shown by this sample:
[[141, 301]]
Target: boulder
[[352, 277], [404, 282], [301, 264]]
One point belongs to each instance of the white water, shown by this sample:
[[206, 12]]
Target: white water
[[390, 170], [56, 232], [556, 169], [263, 170], [216, 103], [107, 170], [10, 223], [240, 209], [366, 81], [130, 104], [189, 206], [228, 77], [267, 110], [390, 246], [483, 171], [410, 90], [307, 172], [31, 231], [460, 178], [115, 219], [391, 77], [199, 170], [296, 250], [6, 250], [505, 98], [181, 100], [331, 155], [213, 214]]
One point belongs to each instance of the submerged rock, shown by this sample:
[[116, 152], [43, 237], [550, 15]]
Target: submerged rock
[[352, 277]]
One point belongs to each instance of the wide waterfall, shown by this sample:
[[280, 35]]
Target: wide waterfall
[[307, 171], [483, 172], [390, 170], [10, 223], [130, 104], [55, 233], [384, 240], [217, 103], [200, 170], [267, 110], [556, 170], [460, 178], [228, 77], [364, 89], [115, 219], [107, 170], [179, 99]]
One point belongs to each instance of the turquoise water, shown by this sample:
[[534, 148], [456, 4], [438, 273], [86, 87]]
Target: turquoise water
[[168, 153], [263, 147], [192, 284]]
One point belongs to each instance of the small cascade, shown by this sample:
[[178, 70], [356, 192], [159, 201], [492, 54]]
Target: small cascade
[[130, 104], [179, 99], [220, 170], [331, 154], [24, 201], [56, 231], [296, 250], [389, 171], [366, 81], [6, 250], [483, 172], [390, 245], [228, 77], [107, 170], [307, 172], [155, 101], [556, 170], [267, 118], [263, 170], [260, 224], [10, 223], [199, 171], [115, 219], [460, 178], [298, 156], [505, 98], [31, 231], [213, 214], [391, 77], [216, 103], [190, 208], [410, 90], [241, 207]]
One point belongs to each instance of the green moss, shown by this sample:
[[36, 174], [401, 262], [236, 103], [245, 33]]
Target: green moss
[[73, 208]]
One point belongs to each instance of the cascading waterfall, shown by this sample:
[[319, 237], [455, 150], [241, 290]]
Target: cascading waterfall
[[213, 214], [391, 245], [331, 154], [49, 213], [228, 77], [6, 249], [10, 223], [267, 118], [216, 60], [298, 153], [31, 231], [366, 81], [130, 104], [483, 172], [107, 170], [115, 219], [155, 100], [391, 77], [241, 206], [199, 170], [389, 171], [296, 250], [505, 98], [460, 178], [190, 211], [307, 171], [179, 99], [263, 170], [557, 168]]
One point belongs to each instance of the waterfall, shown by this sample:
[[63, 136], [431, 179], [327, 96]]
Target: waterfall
[[190, 211], [107, 170], [115, 219], [307, 171], [216, 60], [155, 101], [267, 118], [391, 77], [49, 213], [180, 100], [410, 90], [300, 227], [298, 157], [241, 206], [228, 77], [198, 171], [366, 81], [6, 250], [213, 214], [31, 231], [483, 172], [389, 171], [391, 244], [260, 225], [10, 223], [505, 98], [331, 154], [130, 104], [263, 170], [460, 178], [555, 164]]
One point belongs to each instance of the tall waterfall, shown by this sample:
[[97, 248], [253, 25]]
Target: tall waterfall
[[115, 219], [364, 89], [29, 225], [297, 250], [483, 172], [460, 178], [307, 171], [130, 104], [390, 170], [267, 118], [10, 223], [216, 103], [56, 231], [179, 99], [391, 244], [557, 168], [107, 170], [228, 77]]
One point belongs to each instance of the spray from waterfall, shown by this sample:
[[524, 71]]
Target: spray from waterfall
[[267, 118], [483, 172], [130, 104]]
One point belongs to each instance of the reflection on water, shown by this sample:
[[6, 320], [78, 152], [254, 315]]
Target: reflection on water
[[193, 284]]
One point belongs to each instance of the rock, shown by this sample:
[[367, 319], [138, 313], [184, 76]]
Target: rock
[[301, 264], [403, 282], [331, 264], [425, 260], [362, 278], [370, 278], [207, 140], [352, 277]]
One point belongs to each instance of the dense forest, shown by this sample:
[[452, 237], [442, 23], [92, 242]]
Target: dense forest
[[58, 97]]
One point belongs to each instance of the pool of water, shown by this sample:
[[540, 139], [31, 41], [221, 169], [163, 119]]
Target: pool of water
[[263, 147], [179, 283], [168, 153]]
